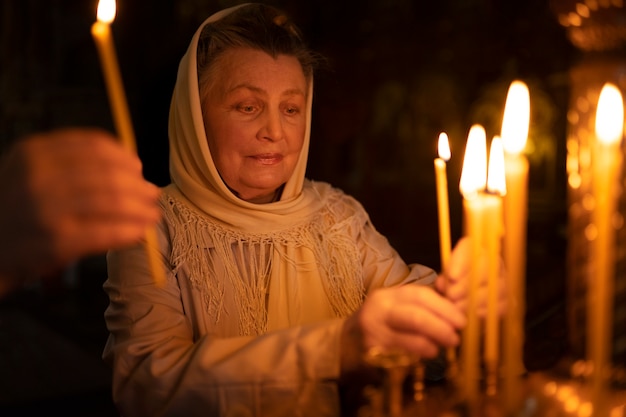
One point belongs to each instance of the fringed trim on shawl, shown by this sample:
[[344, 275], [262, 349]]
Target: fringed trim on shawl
[[215, 256]]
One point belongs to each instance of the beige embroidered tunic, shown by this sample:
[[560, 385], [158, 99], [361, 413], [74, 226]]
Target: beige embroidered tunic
[[203, 346]]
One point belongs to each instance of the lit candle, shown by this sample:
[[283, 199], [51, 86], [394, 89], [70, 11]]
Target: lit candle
[[496, 185], [607, 161], [515, 125], [445, 245], [443, 148], [480, 209], [101, 32]]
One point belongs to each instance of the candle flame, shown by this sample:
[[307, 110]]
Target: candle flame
[[610, 115], [496, 180], [516, 118], [443, 147], [474, 172], [106, 11]]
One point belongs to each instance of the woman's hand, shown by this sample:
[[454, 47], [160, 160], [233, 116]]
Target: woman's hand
[[413, 319], [454, 282]]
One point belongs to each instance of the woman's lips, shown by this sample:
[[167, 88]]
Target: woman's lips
[[268, 158]]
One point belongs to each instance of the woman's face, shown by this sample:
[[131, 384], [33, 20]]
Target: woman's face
[[254, 115]]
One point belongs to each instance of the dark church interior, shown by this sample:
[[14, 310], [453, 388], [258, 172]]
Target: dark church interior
[[398, 73]]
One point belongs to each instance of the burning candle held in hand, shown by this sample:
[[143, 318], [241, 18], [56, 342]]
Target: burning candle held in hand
[[101, 32], [442, 198], [443, 207]]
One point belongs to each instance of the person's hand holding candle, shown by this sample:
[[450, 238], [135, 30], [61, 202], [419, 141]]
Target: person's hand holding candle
[[69, 193], [454, 280]]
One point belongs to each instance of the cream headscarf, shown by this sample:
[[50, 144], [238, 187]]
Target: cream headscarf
[[194, 173], [287, 262]]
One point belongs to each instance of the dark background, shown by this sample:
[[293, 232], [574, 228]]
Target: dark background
[[400, 72]]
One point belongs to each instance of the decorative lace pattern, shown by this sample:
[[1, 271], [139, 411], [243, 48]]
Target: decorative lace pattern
[[217, 257]]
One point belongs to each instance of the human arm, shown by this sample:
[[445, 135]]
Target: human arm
[[68, 193]]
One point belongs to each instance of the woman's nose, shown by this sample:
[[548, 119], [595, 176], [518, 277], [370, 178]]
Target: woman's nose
[[272, 128]]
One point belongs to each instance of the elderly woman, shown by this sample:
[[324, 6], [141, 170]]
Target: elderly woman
[[277, 286]]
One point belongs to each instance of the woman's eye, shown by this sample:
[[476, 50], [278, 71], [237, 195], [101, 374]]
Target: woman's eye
[[246, 108], [291, 110]]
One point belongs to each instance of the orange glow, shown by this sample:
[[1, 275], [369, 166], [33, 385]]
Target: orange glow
[[474, 172], [516, 118], [106, 11], [610, 115], [443, 147]]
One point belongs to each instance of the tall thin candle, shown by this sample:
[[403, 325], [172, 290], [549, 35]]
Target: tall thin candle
[[101, 32], [607, 160], [515, 125], [496, 185], [443, 149], [472, 186], [443, 207]]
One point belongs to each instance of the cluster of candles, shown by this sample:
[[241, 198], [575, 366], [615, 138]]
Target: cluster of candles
[[494, 193], [495, 200]]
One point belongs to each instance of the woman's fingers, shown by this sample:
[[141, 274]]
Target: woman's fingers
[[411, 317], [455, 281]]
